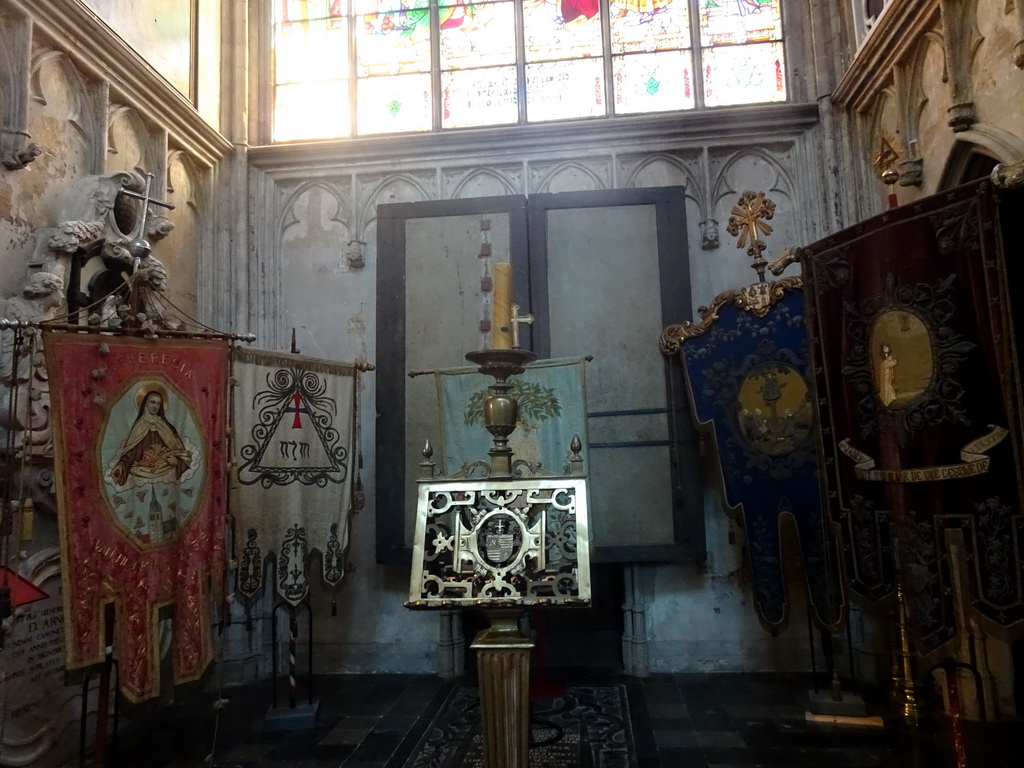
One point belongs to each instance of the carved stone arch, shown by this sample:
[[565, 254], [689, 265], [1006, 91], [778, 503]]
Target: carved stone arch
[[199, 198], [342, 213], [983, 140], [393, 183], [544, 182], [131, 144], [783, 180], [694, 186], [698, 204], [40, 59], [736, 176], [82, 113], [914, 99], [882, 117], [477, 173], [935, 37], [185, 190]]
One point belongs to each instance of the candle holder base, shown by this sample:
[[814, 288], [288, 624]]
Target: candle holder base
[[501, 363], [501, 409]]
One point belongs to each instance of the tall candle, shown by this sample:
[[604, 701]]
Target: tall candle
[[501, 311]]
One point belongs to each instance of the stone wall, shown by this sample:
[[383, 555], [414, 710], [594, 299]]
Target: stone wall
[[77, 107], [309, 201]]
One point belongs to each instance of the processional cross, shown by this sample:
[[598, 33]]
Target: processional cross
[[748, 222], [139, 247]]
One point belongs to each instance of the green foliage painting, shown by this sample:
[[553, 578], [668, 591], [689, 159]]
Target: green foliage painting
[[552, 409]]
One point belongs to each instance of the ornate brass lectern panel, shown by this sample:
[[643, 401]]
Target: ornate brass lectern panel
[[501, 542]]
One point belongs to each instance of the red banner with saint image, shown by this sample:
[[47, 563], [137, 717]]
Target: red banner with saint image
[[140, 449]]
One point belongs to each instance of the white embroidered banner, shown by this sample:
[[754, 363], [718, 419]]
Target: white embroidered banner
[[294, 447]]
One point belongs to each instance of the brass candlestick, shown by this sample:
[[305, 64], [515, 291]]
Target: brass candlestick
[[501, 409]]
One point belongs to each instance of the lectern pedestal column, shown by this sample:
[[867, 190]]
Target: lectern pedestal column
[[503, 668]]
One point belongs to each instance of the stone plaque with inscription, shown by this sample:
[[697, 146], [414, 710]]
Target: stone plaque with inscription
[[41, 713]]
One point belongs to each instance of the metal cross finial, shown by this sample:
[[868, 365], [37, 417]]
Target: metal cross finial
[[514, 321], [748, 222]]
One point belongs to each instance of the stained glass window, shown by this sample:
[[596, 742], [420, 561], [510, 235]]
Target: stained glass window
[[478, 35], [479, 97], [653, 82], [361, 67], [479, 82], [741, 52], [556, 90], [312, 69], [566, 29]]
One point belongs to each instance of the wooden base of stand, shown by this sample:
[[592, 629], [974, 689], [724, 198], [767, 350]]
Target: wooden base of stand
[[503, 668]]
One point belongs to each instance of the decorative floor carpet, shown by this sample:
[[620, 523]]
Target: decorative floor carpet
[[587, 727]]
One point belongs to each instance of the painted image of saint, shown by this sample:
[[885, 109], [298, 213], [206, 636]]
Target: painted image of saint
[[153, 451], [902, 360], [152, 462]]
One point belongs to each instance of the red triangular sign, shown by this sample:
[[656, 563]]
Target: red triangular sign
[[23, 591]]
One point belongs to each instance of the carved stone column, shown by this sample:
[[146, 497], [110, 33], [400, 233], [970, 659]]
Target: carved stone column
[[960, 38], [16, 151], [1018, 49]]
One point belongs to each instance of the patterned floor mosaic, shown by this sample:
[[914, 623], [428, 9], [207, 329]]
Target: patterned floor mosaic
[[588, 726]]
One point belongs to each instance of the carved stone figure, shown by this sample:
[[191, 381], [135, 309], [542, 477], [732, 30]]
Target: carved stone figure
[[791, 255], [101, 218], [96, 213], [709, 234], [354, 254], [16, 150], [24, 386]]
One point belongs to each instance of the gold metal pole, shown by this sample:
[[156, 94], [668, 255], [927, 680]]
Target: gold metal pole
[[904, 681]]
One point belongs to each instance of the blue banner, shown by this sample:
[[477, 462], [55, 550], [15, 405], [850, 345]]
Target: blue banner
[[748, 381]]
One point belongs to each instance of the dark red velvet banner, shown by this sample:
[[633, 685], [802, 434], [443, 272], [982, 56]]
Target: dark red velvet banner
[[141, 457], [918, 389]]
